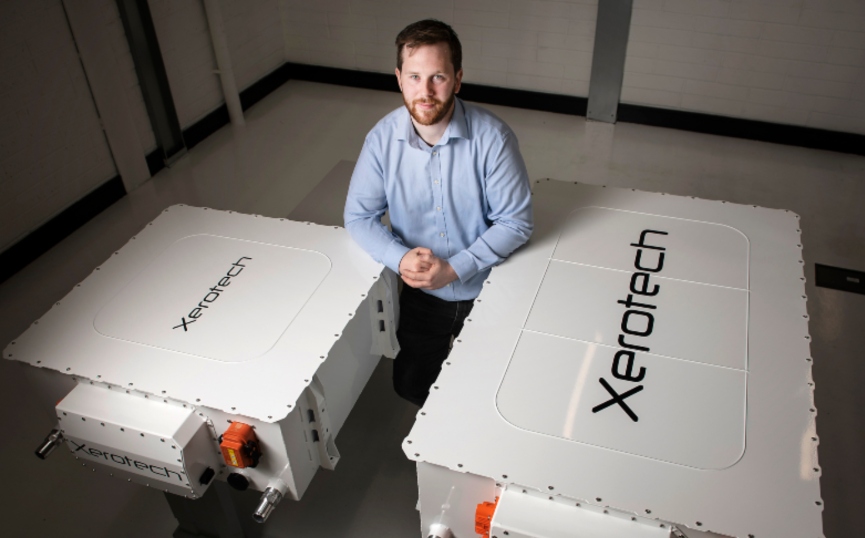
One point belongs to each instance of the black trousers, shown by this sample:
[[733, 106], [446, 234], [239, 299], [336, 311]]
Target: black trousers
[[426, 326]]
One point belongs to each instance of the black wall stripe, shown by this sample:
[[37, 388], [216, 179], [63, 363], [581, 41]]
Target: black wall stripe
[[836, 278], [59, 228], [206, 126], [261, 89], [155, 161], [777, 133], [566, 104], [49, 234]]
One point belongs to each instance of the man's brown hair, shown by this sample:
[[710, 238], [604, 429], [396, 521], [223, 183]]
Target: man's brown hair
[[429, 32]]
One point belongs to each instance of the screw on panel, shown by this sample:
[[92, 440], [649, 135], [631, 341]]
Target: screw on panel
[[699, 524], [504, 476], [648, 511], [416, 455]]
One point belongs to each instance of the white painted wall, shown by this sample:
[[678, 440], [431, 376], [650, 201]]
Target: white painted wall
[[52, 148], [184, 40], [525, 44], [126, 73], [799, 62], [255, 38]]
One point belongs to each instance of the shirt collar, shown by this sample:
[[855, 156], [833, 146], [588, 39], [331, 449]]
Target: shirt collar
[[457, 128]]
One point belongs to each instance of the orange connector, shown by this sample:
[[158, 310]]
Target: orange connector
[[484, 516], [239, 446]]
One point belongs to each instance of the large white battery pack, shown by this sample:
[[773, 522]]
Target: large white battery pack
[[643, 359], [203, 320]]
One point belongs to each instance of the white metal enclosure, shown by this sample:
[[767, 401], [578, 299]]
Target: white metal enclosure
[[640, 368], [208, 318]]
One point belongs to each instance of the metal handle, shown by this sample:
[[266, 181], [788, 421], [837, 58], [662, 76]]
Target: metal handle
[[268, 502], [49, 444]]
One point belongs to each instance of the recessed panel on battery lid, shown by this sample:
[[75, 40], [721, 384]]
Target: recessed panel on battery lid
[[696, 251], [689, 321], [177, 302], [678, 412]]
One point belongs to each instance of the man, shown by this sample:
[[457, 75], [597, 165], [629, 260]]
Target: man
[[457, 189]]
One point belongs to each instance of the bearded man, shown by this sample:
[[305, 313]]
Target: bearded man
[[452, 177]]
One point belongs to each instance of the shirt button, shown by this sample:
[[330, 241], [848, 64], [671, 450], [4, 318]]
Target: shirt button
[[435, 152], [436, 182], [442, 234], [438, 209]]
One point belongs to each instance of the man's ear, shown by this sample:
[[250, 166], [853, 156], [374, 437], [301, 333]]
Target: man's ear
[[398, 78], [459, 80]]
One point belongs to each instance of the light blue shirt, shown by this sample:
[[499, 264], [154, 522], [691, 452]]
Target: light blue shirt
[[467, 198]]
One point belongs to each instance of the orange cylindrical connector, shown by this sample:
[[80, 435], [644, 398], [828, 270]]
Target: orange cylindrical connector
[[239, 446], [484, 516]]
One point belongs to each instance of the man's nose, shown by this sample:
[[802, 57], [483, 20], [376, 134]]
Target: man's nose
[[430, 90]]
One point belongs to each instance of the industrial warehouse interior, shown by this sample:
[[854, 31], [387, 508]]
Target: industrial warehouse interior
[[765, 103]]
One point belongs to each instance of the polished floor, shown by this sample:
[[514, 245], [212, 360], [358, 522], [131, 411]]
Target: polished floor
[[291, 141]]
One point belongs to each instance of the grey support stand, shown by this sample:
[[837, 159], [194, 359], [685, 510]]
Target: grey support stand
[[215, 515]]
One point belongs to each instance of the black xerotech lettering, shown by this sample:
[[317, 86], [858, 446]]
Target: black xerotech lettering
[[117, 459], [638, 322], [212, 295]]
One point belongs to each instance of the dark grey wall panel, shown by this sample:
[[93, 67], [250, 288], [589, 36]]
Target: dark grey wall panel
[[608, 59]]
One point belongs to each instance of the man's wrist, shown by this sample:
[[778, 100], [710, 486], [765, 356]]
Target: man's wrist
[[393, 256]]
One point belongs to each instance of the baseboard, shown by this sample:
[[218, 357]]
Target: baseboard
[[565, 104], [155, 161], [777, 133], [40, 240]]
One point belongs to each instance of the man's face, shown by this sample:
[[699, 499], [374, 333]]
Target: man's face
[[428, 82]]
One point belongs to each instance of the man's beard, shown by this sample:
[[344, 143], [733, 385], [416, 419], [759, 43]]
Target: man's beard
[[433, 116]]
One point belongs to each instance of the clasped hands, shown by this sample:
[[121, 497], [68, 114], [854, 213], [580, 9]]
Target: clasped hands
[[420, 268]]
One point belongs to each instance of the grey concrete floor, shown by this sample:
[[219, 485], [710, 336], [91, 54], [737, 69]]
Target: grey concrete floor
[[292, 139]]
